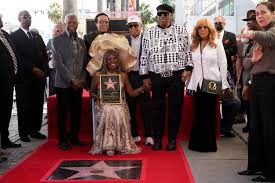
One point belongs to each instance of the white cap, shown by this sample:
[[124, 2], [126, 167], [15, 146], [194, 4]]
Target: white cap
[[133, 18]]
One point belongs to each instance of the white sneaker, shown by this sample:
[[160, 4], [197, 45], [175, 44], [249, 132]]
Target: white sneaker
[[149, 141], [137, 139], [110, 152]]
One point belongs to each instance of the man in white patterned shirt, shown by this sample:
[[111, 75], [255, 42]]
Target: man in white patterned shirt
[[165, 64]]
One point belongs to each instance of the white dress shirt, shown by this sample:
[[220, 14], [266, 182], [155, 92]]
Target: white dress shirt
[[221, 36], [26, 31], [213, 65], [135, 45]]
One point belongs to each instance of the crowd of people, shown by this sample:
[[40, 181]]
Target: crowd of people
[[211, 67]]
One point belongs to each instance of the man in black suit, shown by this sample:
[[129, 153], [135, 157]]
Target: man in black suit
[[102, 26], [230, 105], [33, 57], [8, 72], [135, 40]]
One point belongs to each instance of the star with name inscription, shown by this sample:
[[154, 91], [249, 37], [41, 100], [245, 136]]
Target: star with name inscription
[[100, 169], [110, 84]]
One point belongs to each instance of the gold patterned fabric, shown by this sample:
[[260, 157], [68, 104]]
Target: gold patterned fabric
[[113, 131]]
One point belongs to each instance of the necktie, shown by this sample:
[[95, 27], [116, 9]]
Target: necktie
[[218, 35], [30, 35], [8, 46]]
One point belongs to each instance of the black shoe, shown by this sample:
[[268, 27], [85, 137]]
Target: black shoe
[[10, 144], [157, 145], [245, 129], [37, 135], [171, 145], [261, 178], [228, 134], [64, 146], [25, 138], [76, 142], [247, 172]]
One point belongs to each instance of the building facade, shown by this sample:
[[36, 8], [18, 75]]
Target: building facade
[[233, 11]]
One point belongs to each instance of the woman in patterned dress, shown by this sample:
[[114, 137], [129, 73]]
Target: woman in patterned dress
[[113, 133]]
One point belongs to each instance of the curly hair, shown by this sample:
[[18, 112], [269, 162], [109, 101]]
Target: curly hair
[[106, 55], [196, 37]]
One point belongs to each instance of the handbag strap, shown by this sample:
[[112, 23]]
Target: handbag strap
[[201, 60]]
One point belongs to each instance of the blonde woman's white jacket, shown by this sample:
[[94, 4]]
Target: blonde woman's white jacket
[[214, 66]]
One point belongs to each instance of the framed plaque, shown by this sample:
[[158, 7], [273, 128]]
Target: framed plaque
[[110, 89]]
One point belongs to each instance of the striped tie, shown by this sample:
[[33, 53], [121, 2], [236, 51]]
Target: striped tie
[[8, 46]]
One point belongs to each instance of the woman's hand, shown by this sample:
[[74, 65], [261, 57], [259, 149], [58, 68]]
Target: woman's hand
[[248, 34], [257, 54]]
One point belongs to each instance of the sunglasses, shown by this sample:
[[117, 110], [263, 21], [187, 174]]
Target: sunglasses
[[203, 27], [163, 13], [133, 25]]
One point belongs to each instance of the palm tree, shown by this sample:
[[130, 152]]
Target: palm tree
[[55, 12], [69, 6]]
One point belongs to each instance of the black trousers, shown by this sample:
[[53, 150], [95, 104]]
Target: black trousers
[[261, 142], [69, 101], [174, 88], [203, 133], [6, 98], [30, 100], [51, 82], [145, 104]]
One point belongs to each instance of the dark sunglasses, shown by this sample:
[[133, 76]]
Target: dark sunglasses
[[203, 27], [163, 13], [132, 25]]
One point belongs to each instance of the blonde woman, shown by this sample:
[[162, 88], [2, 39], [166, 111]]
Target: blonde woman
[[209, 61]]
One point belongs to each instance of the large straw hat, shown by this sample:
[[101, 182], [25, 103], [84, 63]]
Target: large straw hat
[[107, 41]]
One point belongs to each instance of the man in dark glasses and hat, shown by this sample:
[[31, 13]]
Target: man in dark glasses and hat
[[165, 64]]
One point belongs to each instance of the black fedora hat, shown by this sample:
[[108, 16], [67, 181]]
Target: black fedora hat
[[250, 15]]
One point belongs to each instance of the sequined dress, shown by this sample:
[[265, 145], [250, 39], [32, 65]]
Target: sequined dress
[[113, 131]]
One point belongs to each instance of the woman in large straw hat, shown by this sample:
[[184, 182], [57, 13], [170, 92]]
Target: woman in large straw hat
[[113, 133]]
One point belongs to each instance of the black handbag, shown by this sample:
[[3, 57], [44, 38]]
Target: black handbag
[[210, 86]]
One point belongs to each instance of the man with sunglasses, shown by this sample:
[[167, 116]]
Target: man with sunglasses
[[165, 64], [30, 87], [135, 40]]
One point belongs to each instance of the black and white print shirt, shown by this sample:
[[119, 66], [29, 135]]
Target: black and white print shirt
[[165, 50]]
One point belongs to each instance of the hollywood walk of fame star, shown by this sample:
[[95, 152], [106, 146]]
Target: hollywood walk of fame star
[[100, 168], [110, 84]]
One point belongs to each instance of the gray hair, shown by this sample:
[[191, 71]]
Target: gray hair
[[69, 16]]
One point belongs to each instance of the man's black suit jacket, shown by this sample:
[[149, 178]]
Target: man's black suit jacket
[[230, 47], [7, 75], [31, 53]]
